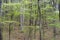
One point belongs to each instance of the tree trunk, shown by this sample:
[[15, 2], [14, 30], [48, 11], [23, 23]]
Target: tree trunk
[[59, 10], [30, 20], [39, 17], [54, 30], [54, 21], [9, 30], [0, 23], [22, 17], [0, 7], [0, 32], [21, 21]]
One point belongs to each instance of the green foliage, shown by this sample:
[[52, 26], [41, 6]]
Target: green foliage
[[29, 8], [12, 9]]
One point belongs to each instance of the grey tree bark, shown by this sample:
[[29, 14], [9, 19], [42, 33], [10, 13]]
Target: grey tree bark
[[22, 17], [40, 17], [30, 20], [0, 8], [0, 23], [0, 31], [59, 10], [54, 21], [21, 21]]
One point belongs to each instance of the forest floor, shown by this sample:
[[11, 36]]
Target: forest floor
[[17, 35]]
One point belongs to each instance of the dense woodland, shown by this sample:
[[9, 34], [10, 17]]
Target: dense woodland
[[29, 19]]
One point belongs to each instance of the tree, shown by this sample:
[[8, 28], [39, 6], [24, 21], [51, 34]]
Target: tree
[[0, 7], [0, 22], [40, 16], [22, 17], [59, 10]]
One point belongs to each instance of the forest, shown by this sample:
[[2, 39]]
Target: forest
[[29, 19]]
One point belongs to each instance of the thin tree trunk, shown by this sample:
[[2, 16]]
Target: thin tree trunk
[[54, 4], [30, 21], [21, 21], [22, 17], [0, 32], [39, 14], [59, 10], [54, 28], [54, 31], [0, 8], [35, 24], [9, 30], [44, 25], [35, 29], [0, 23]]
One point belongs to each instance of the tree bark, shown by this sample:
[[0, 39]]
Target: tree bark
[[30, 20], [0, 23], [21, 21], [0, 7], [0, 32], [9, 30], [54, 30], [39, 17], [59, 10]]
